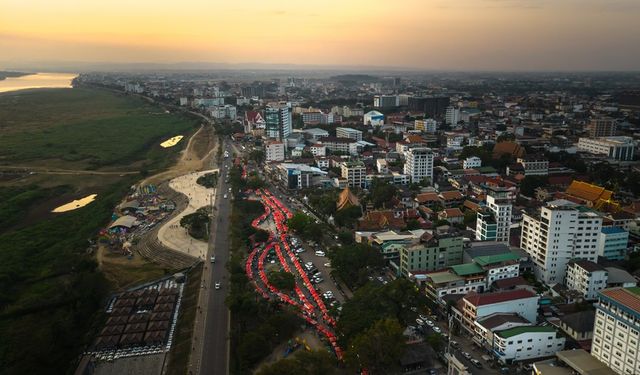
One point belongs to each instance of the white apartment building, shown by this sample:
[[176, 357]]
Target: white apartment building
[[427, 125], [586, 277], [618, 148], [274, 151], [472, 162], [519, 301], [223, 111], [355, 173], [382, 166], [349, 133], [318, 150], [452, 116], [342, 145], [560, 232], [373, 118], [616, 333], [494, 220], [419, 164], [526, 342], [534, 165]]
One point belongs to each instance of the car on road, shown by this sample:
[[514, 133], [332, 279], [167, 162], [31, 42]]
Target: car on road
[[217, 286], [436, 329], [423, 317], [420, 322], [476, 363], [320, 253], [213, 259], [466, 355], [455, 344], [225, 196], [327, 264], [429, 322], [317, 280]]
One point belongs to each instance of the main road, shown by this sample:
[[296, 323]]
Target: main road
[[214, 318]]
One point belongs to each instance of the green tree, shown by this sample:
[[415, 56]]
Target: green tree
[[412, 224], [529, 184], [470, 217], [303, 363], [435, 340], [348, 217], [381, 193], [353, 262], [283, 280], [379, 348], [298, 222]]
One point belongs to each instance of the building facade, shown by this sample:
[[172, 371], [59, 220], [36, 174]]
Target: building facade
[[616, 335], [472, 162], [494, 220], [613, 243], [436, 252], [419, 164], [602, 127], [618, 148], [527, 342], [349, 133], [277, 122], [274, 151], [355, 173], [586, 277], [560, 232]]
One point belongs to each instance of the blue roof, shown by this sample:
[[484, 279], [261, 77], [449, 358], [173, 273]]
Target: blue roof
[[612, 230]]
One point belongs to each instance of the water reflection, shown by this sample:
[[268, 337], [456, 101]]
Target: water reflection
[[76, 204], [37, 80]]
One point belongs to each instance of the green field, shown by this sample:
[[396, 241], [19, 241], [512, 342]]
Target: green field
[[52, 292], [85, 129]]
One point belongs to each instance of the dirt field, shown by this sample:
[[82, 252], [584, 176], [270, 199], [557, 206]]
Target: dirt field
[[123, 272]]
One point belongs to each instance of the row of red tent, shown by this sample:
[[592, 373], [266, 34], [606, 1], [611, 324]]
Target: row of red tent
[[273, 206]]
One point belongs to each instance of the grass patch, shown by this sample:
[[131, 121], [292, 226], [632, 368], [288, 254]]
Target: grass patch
[[89, 128], [182, 349]]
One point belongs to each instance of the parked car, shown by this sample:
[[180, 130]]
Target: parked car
[[420, 322], [217, 285], [213, 259], [466, 355], [320, 253], [436, 329], [476, 363], [455, 344]]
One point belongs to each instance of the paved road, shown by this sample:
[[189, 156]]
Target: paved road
[[215, 335]]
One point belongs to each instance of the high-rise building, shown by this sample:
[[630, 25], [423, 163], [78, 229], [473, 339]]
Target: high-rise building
[[613, 243], [602, 127], [616, 332], [494, 220], [452, 115], [385, 101], [561, 231], [432, 106], [278, 122], [419, 164]]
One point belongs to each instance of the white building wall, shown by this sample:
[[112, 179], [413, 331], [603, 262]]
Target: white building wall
[[528, 345], [616, 340], [526, 307], [419, 164]]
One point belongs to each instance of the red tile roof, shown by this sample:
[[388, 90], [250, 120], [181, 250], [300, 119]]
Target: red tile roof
[[629, 297], [451, 195], [490, 298], [427, 197]]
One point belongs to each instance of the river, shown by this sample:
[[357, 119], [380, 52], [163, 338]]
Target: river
[[37, 81]]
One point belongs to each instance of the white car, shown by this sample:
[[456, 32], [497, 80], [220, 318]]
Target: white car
[[217, 286], [420, 322], [436, 329], [225, 196], [320, 253], [327, 264]]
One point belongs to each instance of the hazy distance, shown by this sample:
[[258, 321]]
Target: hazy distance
[[518, 35]]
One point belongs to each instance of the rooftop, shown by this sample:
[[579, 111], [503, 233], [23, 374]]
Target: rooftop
[[466, 269], [494, 259], [587, 265], [443, 277], [581, 321], [494, 320], [583, 362], [629, 297], [497, 297], [524, 329], [612, 230]]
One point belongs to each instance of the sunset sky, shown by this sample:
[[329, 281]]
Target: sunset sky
[[418, 34]]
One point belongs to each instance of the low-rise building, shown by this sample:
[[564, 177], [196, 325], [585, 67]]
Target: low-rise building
[[487, 325], [472, 162], [373, 118], [527, 342], [586, 277], [612, 243], [617, 148], [434, 251], [473, 306], [274, 151], [349, 133], [340, 145], [572, 362], [579, 325]]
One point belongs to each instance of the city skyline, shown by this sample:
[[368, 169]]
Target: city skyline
[[511, 35]]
